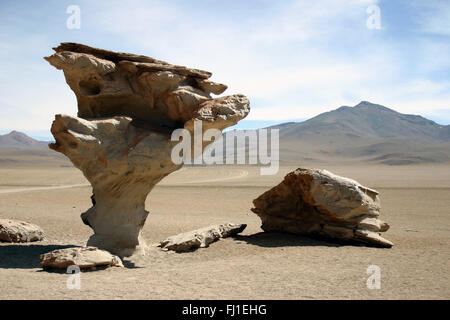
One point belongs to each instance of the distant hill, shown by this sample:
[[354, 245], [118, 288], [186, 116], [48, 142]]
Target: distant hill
[[18, 149], [19, 140], [370, 121], [368, 133]]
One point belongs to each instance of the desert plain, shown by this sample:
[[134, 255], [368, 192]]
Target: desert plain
[[415, 201]]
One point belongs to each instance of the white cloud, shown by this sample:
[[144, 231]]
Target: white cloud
[[294, 59]]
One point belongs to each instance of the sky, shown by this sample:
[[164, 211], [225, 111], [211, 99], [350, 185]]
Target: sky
[[294, 59]]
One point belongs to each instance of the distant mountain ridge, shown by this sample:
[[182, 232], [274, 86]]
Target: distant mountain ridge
[[19, 140], [366, 132], [370, 120], [18, 149]]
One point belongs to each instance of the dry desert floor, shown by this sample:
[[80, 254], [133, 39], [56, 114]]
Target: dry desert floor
[[415, 202]]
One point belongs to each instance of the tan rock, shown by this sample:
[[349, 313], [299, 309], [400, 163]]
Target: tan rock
[[19, 231], [128, 107], [109, 84], [83, 257], [211, 87], [318, 202], [201, 238]]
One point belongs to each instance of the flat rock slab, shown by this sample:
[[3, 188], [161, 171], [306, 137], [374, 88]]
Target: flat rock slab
[[200, 238], [19, 231], [83, 257]]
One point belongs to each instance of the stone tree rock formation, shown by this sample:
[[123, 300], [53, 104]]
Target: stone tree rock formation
[[128, 107], [317, 202]]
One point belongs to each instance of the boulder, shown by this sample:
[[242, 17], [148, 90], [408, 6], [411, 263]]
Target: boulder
[[318, 202], [201, 238], [83, 257], [19, 231], [128, 107]]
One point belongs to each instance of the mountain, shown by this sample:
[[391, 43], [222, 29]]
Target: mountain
[[368, 120], [19, 140], [18, 149], [366, 132]]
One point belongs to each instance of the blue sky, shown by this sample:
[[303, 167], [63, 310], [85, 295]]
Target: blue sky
[[293, 59]]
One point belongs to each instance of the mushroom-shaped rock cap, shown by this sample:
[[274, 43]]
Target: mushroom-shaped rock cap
[[108, 83]]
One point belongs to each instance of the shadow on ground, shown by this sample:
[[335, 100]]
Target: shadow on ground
[[129, 264], [275, 239], [24, 256]]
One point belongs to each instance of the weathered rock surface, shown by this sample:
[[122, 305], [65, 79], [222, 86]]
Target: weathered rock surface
[[107, 83], [83, 257], [128, 107], [201, 238], [19, 231], [318, 202]]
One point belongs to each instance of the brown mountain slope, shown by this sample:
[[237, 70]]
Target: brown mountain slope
[[366, 132], [371, 121], [18, 149], [19, 140]]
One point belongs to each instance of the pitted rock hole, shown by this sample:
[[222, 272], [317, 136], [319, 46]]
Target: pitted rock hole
[[89, 87]]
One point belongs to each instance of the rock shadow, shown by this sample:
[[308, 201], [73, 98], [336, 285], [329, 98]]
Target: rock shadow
[[130, 264], [25, 256], [279, 239]]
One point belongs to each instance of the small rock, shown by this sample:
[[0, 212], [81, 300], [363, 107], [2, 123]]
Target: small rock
[[19, 231], [83, 257], [201, 238]]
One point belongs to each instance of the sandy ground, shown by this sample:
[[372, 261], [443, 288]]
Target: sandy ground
[[415, 202]]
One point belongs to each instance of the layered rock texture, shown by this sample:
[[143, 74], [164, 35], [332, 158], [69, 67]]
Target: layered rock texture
[[83, 257], [128, 107], [318, 202], [19, 231], [201, 238]]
